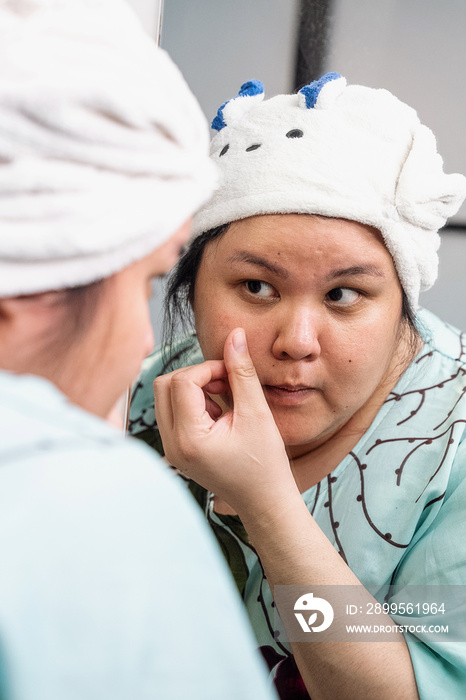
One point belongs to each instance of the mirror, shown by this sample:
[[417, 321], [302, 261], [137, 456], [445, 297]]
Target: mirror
[[415, 49]]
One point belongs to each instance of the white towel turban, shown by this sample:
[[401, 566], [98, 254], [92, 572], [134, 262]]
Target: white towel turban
[[103, 148], [340, 151]]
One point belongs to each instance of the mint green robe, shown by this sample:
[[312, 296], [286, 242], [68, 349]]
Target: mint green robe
[[394, 508]]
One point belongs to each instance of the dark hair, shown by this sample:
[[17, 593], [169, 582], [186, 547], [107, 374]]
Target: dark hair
[[179, 297], [408, 316]]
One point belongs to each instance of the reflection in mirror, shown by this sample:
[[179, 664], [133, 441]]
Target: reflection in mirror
[[386, 44], [274, 276], [288, 44]]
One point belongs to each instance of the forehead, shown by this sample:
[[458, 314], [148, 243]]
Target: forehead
[[308, 240]]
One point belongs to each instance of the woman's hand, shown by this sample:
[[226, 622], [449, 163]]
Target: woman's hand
[[239, 456]]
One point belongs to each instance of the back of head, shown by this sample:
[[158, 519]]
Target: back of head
[[103, 148], [340, 151]]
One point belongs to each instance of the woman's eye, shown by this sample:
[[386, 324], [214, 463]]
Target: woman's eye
[[260, 289], [343, 296]]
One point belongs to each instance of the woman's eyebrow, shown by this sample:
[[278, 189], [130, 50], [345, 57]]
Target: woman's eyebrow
[[245, 256], [354, 271]]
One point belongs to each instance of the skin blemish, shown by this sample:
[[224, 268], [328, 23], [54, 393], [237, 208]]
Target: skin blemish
[[301, 337]]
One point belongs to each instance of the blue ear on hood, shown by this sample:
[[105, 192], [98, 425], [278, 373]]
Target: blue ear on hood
[[311, 92], [252, 87]]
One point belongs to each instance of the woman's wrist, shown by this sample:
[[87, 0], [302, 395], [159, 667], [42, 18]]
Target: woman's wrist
[[274, 514]]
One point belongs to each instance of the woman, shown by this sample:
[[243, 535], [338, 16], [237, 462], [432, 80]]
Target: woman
[[336, 429], [103, 160]]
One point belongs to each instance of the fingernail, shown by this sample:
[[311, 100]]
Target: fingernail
[[239, 341]]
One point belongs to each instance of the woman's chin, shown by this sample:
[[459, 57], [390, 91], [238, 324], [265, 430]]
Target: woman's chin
[[298, 439], [295, 430]]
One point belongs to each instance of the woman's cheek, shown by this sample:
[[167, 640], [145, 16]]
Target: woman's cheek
[[228, 320], [211, 336]]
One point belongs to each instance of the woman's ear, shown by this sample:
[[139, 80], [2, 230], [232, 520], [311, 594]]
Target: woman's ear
[[5, 311], [15, 332], [29, 304], [13, 307], [26, 317]]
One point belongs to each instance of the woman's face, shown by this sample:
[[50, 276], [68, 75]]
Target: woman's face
[[320, 302], [121, 333]]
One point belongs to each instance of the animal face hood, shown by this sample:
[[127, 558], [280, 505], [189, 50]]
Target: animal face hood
[[339, 151]]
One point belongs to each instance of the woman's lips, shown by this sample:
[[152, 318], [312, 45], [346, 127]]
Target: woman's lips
[[288, 394]]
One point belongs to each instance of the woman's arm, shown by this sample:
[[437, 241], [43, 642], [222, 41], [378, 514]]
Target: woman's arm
[[294, 552], [240, 456]]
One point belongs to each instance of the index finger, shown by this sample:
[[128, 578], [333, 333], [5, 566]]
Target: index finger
[[180, 396]]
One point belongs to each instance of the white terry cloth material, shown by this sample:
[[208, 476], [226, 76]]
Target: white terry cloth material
[[357, 153], [103, 148]]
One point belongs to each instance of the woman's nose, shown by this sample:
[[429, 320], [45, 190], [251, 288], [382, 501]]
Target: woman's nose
[[297, 336]]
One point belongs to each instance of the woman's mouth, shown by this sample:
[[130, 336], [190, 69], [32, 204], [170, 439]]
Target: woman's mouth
[[288, 394]]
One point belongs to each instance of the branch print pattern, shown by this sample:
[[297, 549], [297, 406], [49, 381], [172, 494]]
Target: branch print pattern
[[394, 491]]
